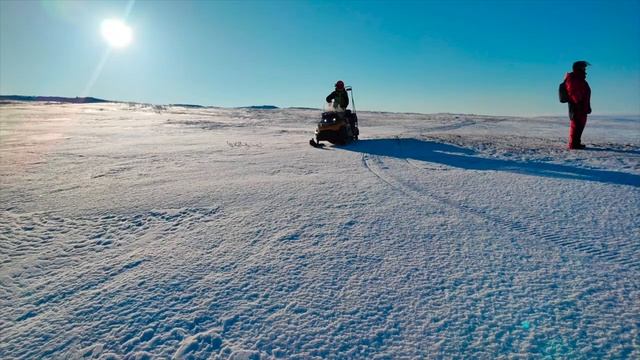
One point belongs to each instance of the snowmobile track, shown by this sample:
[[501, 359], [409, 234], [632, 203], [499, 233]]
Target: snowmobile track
[[458, 125], [625, 254]]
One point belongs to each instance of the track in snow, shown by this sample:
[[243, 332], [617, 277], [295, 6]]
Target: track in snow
[[626, 254]]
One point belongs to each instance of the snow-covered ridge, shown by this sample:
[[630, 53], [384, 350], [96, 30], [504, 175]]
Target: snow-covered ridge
[[148, 231], [57, 99]]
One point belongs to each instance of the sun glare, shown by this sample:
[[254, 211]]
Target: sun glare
[[116, 32]]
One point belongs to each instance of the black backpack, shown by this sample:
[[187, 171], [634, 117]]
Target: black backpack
[[563, 94]]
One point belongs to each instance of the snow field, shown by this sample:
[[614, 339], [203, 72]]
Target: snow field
[[133, 231]]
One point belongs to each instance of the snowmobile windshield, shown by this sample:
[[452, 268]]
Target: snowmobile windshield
[[330, 107]]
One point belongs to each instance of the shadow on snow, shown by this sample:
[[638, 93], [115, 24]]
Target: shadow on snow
[[468, 159]]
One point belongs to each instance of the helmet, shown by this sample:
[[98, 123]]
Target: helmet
[[340, 85], [580, 65]]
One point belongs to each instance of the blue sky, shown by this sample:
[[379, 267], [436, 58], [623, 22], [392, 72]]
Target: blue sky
[[482, 57]]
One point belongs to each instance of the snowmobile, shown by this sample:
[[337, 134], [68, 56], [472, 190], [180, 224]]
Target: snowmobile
[[337, 127]]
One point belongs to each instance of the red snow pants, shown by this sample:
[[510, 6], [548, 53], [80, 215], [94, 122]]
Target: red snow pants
[[576, 127]]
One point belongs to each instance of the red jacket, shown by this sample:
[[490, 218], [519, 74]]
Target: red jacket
[[579, 92]]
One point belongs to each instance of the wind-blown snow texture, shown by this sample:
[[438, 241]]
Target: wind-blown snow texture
[[133, 231]]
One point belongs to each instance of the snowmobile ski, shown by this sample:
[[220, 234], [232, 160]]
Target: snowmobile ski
[[315, 144]]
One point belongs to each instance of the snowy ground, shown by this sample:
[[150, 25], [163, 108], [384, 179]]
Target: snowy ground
[[132, 231]]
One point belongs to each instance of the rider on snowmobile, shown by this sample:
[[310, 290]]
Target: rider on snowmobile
[[339, 97]]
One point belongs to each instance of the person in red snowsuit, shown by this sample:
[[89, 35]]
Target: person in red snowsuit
[[579, 102]]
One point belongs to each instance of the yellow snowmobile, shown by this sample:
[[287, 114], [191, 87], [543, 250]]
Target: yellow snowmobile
[[337, 127]]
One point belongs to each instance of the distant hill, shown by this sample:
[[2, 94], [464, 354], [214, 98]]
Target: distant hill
[[90, 100], [303, 108], [260, 107], [75, 100], [188, 105]]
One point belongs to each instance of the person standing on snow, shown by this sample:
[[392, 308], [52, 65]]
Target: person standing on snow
[[339, 97], [579, 102]]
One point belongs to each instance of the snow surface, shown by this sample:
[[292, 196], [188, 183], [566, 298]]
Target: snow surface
[[135, 231]]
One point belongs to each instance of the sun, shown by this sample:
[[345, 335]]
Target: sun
[[116, 32]]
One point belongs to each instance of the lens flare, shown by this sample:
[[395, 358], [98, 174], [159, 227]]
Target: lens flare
[[116, 32]]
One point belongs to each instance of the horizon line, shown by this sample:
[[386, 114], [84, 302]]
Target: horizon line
[[37, 98]]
